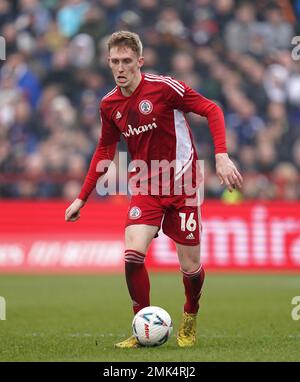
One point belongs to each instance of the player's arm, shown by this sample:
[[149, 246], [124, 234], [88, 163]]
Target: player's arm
[[101, 153], [225, 168], [188, 100], [105, 151]]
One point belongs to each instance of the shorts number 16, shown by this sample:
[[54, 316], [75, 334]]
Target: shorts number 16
[[190, 224]]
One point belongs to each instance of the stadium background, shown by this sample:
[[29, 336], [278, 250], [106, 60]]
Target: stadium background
[[235, 52]]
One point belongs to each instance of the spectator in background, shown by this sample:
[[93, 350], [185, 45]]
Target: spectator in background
[[240, 31], [6, 14], [278, 32], [182, 63], [274, 82], [286, 179], [113, 11], [33, 17], [223, 13], [71, 16], [82, 51], [94, 23], [296, 154], [245, 122], [16, 66], [62, 73]]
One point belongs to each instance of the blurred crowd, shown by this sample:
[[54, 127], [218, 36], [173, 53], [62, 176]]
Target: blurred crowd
[[237, 53]]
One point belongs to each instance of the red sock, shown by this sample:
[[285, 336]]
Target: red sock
[[193, 282], [137, 279]]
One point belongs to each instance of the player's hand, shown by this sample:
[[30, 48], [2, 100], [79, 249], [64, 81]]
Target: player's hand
[[73, 211], [227, 172]]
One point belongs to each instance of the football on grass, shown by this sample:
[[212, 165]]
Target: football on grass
[[152, 326]]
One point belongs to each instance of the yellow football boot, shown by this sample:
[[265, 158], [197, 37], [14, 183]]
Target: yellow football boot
[[187, 333], [131, 342]]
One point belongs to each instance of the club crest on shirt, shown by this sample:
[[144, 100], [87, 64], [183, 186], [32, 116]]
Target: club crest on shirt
[[145, 107], [135, 213]]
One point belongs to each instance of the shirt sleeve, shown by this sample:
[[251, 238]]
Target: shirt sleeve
[[110, 134], [105, 150], [180, 96], [106, 153]]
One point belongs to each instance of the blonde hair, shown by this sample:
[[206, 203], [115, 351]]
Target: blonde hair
[[128, 39]]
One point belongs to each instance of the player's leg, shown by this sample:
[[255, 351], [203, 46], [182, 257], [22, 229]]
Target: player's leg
[[193, 275], [182, 224], [193, 279], [143, 222], [137, 240]]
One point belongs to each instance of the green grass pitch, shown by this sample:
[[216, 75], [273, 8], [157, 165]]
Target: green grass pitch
[[244, 317]]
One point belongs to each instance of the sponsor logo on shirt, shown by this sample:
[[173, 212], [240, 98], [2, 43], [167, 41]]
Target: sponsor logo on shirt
[[145, 107], [119, 115], [138, 130]]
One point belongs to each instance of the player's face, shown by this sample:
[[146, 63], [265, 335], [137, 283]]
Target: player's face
[[125, 66]]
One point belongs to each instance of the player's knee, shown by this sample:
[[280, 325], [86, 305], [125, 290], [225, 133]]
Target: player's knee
[[190, 262], [133, 256], [190, 267]]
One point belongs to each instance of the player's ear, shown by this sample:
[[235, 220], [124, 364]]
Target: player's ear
[[141, 61]]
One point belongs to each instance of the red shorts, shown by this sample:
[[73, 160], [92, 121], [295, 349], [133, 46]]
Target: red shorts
[[181, 222]]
